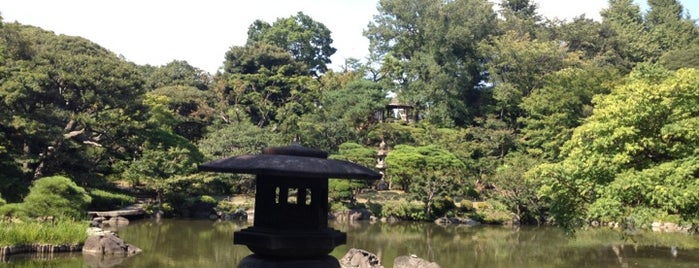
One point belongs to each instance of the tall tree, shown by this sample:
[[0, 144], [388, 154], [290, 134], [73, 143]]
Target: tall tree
[[632, 43], [429, 54], [267, 84], [670, 27], [520, 16], [556, 109], [307, 40], [518, 65]]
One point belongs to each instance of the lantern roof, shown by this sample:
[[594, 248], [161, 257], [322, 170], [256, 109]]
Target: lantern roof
[[291, 161]]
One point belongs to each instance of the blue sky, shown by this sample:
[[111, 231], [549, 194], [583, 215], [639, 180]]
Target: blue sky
[[159, 31]]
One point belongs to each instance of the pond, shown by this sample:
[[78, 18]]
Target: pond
[[204, 243]]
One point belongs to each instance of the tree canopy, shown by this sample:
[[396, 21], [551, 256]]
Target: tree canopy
[[547, 120]]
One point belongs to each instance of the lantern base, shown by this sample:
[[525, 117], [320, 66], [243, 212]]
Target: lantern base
[[291, 244], [256, 261]]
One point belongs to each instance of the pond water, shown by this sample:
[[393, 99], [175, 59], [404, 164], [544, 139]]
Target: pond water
[[203, 243]]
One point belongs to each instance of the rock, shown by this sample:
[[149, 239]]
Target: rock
[[352, 215], [443, 221], [413, 261], [391, 219], [116, 221], [359, 258], [382, 185], [108, 244]]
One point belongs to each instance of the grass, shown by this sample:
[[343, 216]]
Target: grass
[[60, 232]]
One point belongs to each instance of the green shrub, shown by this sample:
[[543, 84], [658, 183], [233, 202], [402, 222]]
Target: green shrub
[[404, 210], [343, 190], [441, 206], [56, 196], [375, 208], [605, 210], [227, 206], [104, 200], [14, 210], [202, 207], [493, 212], [466, 205], [2, 201], [207, 199]]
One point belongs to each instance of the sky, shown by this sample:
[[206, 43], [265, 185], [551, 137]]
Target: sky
[[200, 32]]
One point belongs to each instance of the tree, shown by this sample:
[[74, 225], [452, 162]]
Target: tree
[[428, 173], [185, 110], [556, 109], [670, 27], [56, 196], [632, 43], [267, 84], [590, 39], [518, 65], [429, 54], [68, 104], [346, 190], [307, 40], [238, 138], [12, 184], [177, 73], [636, 155], [518, 193], [681, 58], [521, 17], [356, 104], [164, 160]]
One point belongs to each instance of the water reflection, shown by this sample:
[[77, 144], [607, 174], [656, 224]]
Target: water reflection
[[202, 243]]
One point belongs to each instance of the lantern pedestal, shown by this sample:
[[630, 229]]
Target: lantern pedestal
[[285, 244], [255, 261]]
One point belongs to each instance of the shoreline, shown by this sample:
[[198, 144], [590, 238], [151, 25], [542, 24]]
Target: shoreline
[[39, 248]]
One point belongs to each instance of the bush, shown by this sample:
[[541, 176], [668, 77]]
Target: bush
[[404, 210], [2, 201], [493, 212], [466, 205], [103, 200], [375, 208], [56, 196], [442, 206], [14, 210]]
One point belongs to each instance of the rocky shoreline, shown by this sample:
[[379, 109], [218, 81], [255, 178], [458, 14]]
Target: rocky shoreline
[[98, 242]]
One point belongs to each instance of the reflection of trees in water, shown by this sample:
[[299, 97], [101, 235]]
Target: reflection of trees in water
[[203, 243], [497, 246], [185, 243]]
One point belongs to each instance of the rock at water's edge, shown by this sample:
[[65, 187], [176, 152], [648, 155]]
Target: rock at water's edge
[[413, 262], [108, 244], [359, 258]]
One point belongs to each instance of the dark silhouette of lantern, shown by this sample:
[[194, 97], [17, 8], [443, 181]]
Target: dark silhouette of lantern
[[291, 200]]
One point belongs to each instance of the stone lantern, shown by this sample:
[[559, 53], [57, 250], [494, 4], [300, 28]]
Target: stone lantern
[[290, 227], [381, 166]]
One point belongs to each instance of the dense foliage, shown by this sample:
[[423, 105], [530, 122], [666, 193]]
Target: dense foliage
[[56, 196], [563, 122]]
